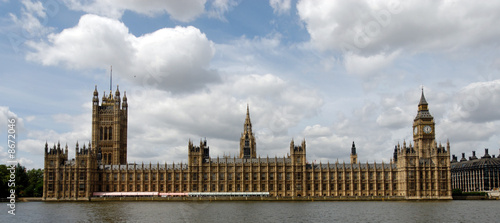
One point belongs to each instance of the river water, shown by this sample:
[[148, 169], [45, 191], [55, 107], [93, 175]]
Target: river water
[[256, 211]]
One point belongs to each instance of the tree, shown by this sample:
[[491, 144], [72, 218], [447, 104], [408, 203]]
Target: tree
[[4, 178], [35, 183], [21, 181], [28, 183]]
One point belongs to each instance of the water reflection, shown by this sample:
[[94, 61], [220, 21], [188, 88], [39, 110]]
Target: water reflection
[[257, 211]]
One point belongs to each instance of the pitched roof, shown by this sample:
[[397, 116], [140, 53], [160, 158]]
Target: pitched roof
[[422, 99]]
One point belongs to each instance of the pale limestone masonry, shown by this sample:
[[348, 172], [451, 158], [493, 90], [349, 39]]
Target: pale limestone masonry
[[418, 171]]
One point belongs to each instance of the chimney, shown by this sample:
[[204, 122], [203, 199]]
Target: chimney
[[463, 157], [473, 156], [486, 155], [453, 159]]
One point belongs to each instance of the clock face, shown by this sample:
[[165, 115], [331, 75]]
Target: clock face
[[415, 130], [427, 129]]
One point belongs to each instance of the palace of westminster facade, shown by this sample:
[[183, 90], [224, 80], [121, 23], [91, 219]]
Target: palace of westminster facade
[[416, 171]]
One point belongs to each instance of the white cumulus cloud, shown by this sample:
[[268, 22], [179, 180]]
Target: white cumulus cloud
[[365, 65], [176, 59], [32, 18], [371, 27]]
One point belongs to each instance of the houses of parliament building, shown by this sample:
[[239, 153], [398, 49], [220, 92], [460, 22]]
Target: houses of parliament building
[[418, 170]]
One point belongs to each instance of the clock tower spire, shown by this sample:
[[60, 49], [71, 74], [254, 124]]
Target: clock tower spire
[[424, 168], [423, 129]]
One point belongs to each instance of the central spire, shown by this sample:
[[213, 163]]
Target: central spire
[[247, 127], [247, 140]]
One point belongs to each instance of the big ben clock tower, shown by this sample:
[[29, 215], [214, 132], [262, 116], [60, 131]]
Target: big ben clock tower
[[423, 129], [424, 168]]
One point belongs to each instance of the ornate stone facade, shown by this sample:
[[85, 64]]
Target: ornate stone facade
[[424, 168], [109, 127], [421, 171]]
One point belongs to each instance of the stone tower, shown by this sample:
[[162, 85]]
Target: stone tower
[[109, 127], [424, 167], [354, 155], [54, 160], [198, 154], [298, 153], [248, 148], [423, 129]]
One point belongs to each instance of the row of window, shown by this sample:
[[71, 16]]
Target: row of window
[[81, 187], [424, 174], [231, 167], [255, 176], [425, 186], [222, 176], [242, 187], [82, 176], [106, 133]]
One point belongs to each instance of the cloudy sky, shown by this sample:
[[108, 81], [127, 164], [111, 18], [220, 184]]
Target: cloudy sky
[[332, 72]]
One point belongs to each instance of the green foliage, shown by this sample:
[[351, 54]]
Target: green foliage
[[29, 183], [21, 180], [474, 193], [4, 178], [35, 179], [456, 192]]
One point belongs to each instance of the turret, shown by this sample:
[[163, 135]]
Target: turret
[[117, 98], [448, 145], [354, 156], [198, 154], [124, 104], [95, 99], [298, 153], [395, 154]]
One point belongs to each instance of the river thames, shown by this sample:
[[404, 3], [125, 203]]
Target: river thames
[[257, 211]]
